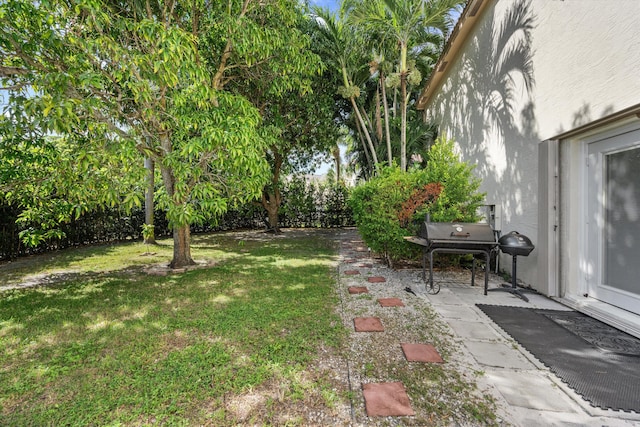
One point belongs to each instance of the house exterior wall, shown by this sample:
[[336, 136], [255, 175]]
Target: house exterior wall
[[529, 71]]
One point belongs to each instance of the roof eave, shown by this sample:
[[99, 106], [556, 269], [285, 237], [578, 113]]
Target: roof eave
[[468, 20]]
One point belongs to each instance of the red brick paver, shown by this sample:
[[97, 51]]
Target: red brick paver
[[386, 400], [390, 302], [421, 353], [368, 324], [376, 279], [358, 290]]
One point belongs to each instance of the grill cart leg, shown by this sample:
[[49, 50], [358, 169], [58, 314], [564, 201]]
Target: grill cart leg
[[513, 288], [486, 271], [487, 267], [473, 271], [424, 265], [432, 288]]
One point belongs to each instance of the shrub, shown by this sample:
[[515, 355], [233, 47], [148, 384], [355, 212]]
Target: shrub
[[389, 206], [376, 205], [308, 203], [459, 200]]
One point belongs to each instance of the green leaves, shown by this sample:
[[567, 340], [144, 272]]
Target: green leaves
[[377, 203], [117, 81]]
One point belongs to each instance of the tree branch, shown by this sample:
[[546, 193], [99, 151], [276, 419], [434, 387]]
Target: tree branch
[[12, 71]]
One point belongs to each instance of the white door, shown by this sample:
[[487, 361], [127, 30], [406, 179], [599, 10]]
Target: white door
[[613, 223]]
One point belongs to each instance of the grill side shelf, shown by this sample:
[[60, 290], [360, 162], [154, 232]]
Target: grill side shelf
[[417, 240]]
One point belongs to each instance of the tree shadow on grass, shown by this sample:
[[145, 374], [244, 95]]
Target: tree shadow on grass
[[141, 341]]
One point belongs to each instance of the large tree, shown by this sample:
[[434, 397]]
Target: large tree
[[302, 128], [150, 77], [297, 109], [298, 125]]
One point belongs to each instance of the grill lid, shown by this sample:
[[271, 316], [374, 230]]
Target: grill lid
[[457, 232], [514, 243]]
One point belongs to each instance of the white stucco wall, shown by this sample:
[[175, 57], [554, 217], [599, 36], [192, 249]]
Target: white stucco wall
[[587, 61], [531, 70]]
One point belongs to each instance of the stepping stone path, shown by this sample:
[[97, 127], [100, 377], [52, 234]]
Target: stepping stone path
[[386, 399]]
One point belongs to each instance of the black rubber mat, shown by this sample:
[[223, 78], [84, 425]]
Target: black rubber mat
[[600, 334], [605, 378]]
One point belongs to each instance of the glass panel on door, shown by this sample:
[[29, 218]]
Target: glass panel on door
[[612, 264], [622, 221]]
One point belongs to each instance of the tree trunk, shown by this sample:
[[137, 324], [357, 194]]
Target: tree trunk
[[181, 247], [149, 238], [403, 125], [372, 149], [394, 107], [372, 132], [271, 199], [272, 209], [181, 233], [338, 160], [386, 119], [364, 146], [378, 115]]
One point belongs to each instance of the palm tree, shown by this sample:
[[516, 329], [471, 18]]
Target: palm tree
[[340, 42], [413, 24], [380, 66]]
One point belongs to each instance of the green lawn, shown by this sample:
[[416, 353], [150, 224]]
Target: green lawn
[[110, 344]]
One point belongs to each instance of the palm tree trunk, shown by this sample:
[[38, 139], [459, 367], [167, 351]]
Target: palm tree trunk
[[371, 129], [378, 115], [395, 103], [364, 145], [336, 157], [386, 118], [365, 131], [403, 125]]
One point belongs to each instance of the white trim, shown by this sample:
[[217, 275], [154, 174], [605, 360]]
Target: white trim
[[614, 129], [548, 221], [598, 148], [572, 266]]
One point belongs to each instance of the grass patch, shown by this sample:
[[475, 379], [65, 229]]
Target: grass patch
[[108, 343]]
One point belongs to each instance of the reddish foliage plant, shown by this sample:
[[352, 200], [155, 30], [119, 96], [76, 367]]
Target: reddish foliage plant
[[421, 196]]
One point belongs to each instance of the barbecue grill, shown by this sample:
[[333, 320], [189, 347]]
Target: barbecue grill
[[515, 244], [454, 237]]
